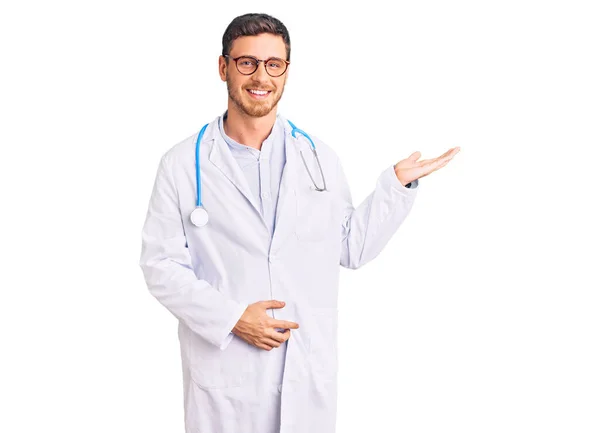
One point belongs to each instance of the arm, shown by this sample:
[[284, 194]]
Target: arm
[[167, 267], [368, 228]]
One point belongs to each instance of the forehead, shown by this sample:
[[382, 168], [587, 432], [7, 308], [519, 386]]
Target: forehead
[[261, 46]]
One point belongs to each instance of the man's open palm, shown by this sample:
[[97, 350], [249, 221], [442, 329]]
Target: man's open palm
[[411, 168]]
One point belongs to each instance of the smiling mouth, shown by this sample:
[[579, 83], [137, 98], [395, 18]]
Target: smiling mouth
[[258, 94]]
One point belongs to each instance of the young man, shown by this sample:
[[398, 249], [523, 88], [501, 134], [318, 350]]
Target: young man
[[243, 244]]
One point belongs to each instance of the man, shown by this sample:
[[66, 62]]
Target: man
[[254, 287]]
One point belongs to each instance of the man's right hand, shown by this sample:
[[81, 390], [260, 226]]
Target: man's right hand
[[259, 329]]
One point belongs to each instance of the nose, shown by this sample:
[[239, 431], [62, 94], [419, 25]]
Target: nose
[[260, 74]]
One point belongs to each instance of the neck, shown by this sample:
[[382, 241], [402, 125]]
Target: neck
[[247, 130]]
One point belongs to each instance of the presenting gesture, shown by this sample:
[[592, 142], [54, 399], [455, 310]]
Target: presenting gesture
[[411, 168]]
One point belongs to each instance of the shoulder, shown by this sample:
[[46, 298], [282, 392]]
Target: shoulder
[[182, 147], [181, 152]]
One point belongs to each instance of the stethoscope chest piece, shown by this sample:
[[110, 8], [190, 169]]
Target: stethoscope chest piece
[[199, 217]]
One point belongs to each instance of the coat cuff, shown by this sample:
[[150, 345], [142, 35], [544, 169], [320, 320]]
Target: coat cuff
[[234, 319], [395, 182]]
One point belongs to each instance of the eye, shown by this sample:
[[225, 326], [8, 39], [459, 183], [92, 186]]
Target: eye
[[275, 64]]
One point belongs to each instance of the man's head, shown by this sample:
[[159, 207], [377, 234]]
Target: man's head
[[262, 37]]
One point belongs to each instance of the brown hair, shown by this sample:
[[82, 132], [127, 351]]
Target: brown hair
[[253, 25]]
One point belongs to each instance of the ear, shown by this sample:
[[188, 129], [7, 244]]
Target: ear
[[222, 68]]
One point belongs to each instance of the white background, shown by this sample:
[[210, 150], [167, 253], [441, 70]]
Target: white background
[[480, 315]]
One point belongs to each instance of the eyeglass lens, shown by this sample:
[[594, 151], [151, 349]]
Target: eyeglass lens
[[247, 65]]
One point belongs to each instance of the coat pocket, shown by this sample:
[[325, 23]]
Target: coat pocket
[[212, 367], [314, 215], [323, 347]]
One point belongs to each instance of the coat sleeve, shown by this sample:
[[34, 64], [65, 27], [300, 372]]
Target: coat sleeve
[[167, 267], [368, 228]]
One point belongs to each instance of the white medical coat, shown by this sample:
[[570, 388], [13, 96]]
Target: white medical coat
[[206, 276]]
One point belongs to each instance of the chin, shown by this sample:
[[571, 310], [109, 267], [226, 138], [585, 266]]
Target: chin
[[257, 110], [259, 113]]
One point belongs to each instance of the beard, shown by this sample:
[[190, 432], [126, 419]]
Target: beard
[[254, 108]]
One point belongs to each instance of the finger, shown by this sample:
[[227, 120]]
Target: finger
[[272, 303], [454, 149], [436, 166], [286, 334], [263, 346], [429, 162], [432, 160], [446, 156], [280, 336], [270, 342], [414, 156], [449, 157], [425, 162], [283, 324], [442, 164], [450, 152]]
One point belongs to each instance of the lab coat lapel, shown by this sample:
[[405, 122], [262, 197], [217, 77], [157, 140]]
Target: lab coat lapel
[[285, 221], [221, 157]]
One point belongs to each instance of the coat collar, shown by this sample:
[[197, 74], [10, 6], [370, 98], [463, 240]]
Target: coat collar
[[221, 157]]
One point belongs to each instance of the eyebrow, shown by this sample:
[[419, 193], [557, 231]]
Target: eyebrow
[[256, 57]]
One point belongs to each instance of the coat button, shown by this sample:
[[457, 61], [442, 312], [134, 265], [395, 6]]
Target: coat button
[[279, 388]]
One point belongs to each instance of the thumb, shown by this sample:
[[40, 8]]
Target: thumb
[[415, 156], [273, 304]]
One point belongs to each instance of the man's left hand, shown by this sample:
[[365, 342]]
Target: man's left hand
[[411, 168]]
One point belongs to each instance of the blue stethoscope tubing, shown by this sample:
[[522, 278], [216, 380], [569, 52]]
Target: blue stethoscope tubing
[[199, 216]]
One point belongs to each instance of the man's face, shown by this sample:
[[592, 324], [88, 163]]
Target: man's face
[[263, 47]]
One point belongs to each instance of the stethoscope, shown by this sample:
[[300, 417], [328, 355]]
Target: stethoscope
[[199, 216]]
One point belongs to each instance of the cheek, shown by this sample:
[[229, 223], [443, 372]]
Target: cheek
[[280, 86], [233, 84]]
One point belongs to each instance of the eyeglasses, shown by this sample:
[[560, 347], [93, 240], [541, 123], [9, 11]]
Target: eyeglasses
[[247, 65]]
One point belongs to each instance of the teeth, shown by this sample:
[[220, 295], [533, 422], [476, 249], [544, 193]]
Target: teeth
[[259, 92]]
